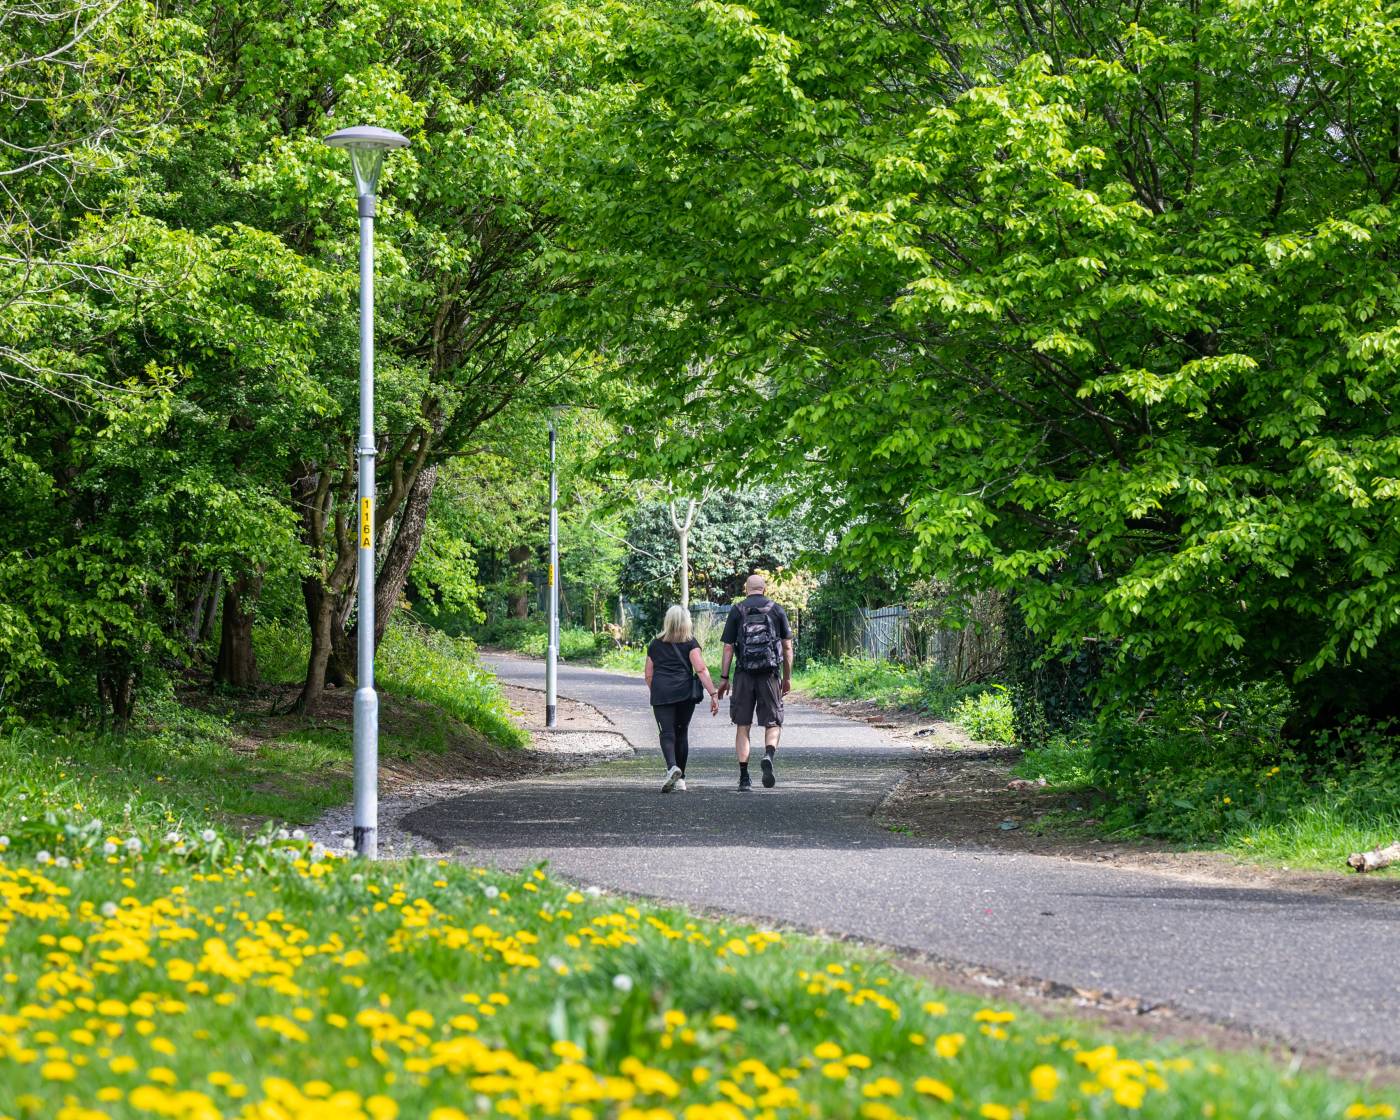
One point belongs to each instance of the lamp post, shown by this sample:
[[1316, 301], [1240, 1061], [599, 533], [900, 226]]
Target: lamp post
[[367, 146], [551, 654]]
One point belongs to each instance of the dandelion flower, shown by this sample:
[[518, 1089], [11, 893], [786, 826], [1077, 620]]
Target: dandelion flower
[[1044, 1081], [932, 1087], [622, 982], [208, 835]]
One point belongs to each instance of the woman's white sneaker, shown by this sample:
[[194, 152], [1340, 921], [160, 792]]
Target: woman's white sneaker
[[680, 785], [673, 776]]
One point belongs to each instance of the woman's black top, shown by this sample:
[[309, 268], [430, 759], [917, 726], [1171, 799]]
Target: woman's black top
[[670, 670]]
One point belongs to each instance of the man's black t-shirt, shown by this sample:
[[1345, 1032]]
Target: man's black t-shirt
[[670, 670], [731, 624]]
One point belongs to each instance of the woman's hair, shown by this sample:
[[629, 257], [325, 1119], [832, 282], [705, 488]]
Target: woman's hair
[[677, 627]]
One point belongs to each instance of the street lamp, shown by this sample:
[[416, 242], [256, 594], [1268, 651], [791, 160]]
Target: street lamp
[[367, 146], [551, 653]]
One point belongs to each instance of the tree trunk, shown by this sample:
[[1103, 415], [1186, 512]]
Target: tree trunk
[[342, 666], [194, 623], [116, 687], [399, 557], [237, 665], [212, 609], [519, 558], [682, 528], [320, 614], [685, 567], [329, 528]]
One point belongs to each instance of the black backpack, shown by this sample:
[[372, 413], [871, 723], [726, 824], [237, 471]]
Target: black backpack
[[758, 638]]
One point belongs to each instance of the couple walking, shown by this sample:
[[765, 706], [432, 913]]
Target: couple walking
[[757, 648]]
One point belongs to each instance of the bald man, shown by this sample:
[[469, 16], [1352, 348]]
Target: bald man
[[757, 631]]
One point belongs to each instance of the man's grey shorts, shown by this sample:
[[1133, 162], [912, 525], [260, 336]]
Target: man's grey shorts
[[756, 694]]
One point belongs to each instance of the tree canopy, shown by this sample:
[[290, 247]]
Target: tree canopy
[[1094, 303], [1090, 304]]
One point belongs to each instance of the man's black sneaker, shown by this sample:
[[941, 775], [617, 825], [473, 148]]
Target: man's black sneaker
[[769, 780], [744, 784]]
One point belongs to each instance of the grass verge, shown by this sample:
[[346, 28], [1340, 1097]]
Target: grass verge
[[1284, 813], [224, 757], [179, 766], [412, 662], [983, 711], [531, 637], [161, 969]]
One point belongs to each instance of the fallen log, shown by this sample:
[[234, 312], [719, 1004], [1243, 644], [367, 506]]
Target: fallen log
[[1375, 859]]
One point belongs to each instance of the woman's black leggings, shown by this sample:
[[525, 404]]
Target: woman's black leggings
[[673, 723]]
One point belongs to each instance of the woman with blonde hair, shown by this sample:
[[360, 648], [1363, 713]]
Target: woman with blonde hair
[[678, 677]]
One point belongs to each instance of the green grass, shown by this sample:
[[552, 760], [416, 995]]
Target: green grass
[[177, 765], [632, 660], [575, 644], [531, 637], [208, 976], [628, 659], [444, 671], [180, 763], [983, 711], [413, 662]]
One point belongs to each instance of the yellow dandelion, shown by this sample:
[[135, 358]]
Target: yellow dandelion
[[932, 1087]]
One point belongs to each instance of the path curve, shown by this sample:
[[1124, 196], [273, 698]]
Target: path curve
[[808, 854]]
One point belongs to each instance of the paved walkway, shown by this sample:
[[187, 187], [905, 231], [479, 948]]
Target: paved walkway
[[1306, 967]]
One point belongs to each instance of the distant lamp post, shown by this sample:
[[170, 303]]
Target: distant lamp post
[[551, 653], [367, 146]]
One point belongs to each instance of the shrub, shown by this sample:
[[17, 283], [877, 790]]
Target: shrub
[[509, 633], [575, 644], [629, 659], [1211, 766], [987, 716], [282, 650]]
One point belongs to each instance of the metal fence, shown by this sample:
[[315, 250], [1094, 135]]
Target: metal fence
[[972, 650]]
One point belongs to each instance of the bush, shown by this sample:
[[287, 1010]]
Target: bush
[[1063, 761], [282, 650], [531, 637], [509, 633], [575, 644], [987, 716], [1212, 767]]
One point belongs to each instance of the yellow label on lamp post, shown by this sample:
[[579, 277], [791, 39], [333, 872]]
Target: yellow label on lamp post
[[366, 522], [551, 575]]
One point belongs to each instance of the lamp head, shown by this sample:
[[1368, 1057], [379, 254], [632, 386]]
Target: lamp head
[[367, 146]]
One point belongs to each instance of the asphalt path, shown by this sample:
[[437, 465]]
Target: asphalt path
[[1308, 968]]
